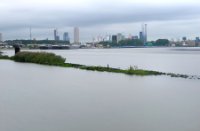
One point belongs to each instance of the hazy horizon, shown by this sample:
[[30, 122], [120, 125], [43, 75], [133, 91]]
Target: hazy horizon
[[165, 19]]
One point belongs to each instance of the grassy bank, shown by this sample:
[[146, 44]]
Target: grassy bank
[[52, 59]]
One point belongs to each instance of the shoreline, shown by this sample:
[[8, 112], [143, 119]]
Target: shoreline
[[121, 47]]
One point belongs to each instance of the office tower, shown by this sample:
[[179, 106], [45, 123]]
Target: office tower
[[141, 36], [114, 39], [66, 36], [76, 35], [1, 37], [56, 37], [197, 41], [55, 34]]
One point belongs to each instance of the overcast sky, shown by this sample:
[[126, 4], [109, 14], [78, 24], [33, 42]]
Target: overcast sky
[[165, 18]]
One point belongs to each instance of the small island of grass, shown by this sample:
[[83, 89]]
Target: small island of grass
[[38, 58], [52, 59]]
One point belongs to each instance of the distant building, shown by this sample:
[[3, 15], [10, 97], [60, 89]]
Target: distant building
[[56, 37], [76, 35], [197, 41], [184, 38], [130, 36], [107, 38], [141, 36], [55, 34], [110, 38], [119, 37], [190, 43], [135, 37], [66, 36], [1, 37], [114, 38]]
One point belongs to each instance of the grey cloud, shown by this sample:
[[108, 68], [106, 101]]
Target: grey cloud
[[98, 14]]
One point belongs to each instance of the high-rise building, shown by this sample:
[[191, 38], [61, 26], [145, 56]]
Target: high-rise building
[[56, 37], [76, 35], [143, 34], [55, 34], [197, 41], [1, 37], [66, 36], [114, 38]]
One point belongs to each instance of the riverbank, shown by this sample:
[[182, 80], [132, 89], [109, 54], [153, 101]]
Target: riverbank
[[45, 58]]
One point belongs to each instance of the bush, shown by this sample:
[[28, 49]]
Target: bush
[[39, 58]]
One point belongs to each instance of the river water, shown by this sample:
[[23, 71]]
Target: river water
[[45, 98]]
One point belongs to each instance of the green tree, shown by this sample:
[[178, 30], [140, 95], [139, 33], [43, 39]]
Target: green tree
[[162, 42], [131, 42]]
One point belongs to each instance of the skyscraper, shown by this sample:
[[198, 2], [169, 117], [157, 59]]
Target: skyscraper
[[56, 37], [114, 39], [143, 34], [1, 37], [66, 36], [197, 41], [76, 35], [55, 34]]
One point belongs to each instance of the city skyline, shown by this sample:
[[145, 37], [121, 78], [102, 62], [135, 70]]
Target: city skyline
[[165, 19], [66, 36]]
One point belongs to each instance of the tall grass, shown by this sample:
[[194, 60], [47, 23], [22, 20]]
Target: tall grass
[[39, 58]]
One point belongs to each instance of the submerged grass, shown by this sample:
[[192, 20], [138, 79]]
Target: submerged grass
[[52, 59], [114, 70]]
